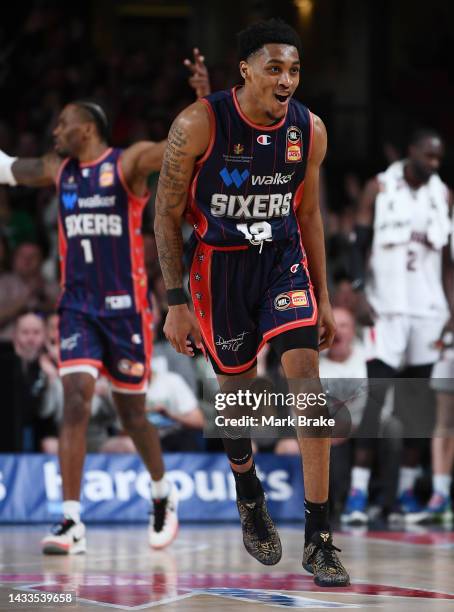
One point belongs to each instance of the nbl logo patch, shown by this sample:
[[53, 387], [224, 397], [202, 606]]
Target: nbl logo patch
[[294, 145], [291, 299]]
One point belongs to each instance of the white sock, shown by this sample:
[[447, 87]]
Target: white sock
[[71, 510], [407, 479], [360, 478], [160, 488], [442, 484]]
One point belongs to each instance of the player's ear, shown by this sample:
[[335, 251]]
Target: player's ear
[[244, 69]]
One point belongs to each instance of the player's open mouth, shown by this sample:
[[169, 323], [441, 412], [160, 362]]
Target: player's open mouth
[[282, 99]]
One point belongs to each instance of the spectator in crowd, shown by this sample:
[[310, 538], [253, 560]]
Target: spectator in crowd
[[4, 254], [24, 288], [23, 426], [174, 409]]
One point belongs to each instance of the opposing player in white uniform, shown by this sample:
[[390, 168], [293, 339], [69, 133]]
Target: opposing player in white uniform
[[403, 222]]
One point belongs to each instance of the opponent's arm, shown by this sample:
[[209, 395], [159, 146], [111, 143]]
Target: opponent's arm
[[311, 227], [360, 243], [33, 171], [188, 139]]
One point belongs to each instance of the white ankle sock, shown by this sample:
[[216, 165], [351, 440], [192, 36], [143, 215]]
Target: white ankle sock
[[71, 510], [442, 484], [360, 478], [407, 478], [160, 488]]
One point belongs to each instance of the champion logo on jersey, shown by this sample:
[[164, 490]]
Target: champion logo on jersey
[[69, 200], [264, 139], [234, 177]]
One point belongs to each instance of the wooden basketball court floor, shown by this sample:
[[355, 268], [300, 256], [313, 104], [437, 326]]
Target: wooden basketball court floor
[[208, 569]]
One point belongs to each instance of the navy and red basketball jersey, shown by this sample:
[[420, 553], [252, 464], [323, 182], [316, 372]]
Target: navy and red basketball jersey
[[247, 186], [100, 239]]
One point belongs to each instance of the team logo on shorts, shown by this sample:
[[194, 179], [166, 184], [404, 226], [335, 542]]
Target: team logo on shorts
[[294, 147], [106, 175], [131, 368], [291, 299]]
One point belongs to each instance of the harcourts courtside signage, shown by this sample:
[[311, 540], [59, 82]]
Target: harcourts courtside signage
[[116, 488]]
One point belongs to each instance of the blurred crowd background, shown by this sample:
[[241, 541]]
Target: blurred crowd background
[[373, 70]]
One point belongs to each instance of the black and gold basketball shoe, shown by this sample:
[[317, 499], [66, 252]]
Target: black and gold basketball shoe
[[321, 560], [260, 536]]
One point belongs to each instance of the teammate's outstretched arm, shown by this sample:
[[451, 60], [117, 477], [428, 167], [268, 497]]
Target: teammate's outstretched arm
[[33, 171], [188, 139], [311, 227]]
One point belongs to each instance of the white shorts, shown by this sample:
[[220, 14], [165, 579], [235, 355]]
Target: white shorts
[[403, 340]]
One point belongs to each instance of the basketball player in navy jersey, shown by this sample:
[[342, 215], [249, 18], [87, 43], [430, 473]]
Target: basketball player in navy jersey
[[105, 319], [243, 167]]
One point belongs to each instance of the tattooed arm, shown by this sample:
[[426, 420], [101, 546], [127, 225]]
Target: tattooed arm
[[36, 171], [188, 139]]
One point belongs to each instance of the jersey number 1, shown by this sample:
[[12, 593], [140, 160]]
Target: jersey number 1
[[88, 252]]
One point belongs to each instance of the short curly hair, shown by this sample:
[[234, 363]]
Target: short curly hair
[[255, 36]]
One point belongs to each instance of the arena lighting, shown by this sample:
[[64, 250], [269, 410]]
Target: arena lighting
[[305, 7]]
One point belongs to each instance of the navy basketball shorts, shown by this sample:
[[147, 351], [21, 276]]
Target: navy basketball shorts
[[117, 347], [245, 296]]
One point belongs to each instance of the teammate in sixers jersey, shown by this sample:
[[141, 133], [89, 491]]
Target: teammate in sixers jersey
[[243, 167], [105, 319]]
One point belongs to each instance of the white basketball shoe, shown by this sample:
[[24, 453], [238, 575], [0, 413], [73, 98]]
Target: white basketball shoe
[[163, 526], [65, 538]]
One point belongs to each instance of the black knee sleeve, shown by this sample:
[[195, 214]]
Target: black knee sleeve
[[238, 451]]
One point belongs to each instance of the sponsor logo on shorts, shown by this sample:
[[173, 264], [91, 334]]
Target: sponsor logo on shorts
[[231, 344], [106, 175], [136, 339], [264, 139], [69, 343], [118, 302], [294, 268], [131, 368], [294, 148], [291, 299]]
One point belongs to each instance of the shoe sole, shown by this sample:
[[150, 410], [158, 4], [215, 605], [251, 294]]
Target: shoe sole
[[54, 548], [265, 561], [161, 546], [319, 582]]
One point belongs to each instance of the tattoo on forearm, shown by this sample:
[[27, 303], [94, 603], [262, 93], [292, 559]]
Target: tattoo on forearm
[[34, 171], [170, 204]]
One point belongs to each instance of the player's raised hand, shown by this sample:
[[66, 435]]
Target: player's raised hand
[[199, 79], [180, 324]]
